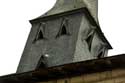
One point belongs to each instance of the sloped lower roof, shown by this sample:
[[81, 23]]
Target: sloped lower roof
[[69, 70]]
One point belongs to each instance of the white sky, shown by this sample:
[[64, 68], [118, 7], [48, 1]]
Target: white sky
[[15, 28]]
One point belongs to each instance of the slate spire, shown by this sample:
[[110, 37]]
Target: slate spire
[[65, 37], [92, 5], [62, 6]]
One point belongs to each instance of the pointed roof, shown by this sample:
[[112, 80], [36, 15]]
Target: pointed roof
[[62, 6]]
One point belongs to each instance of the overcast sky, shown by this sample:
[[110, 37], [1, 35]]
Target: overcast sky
[[15, 28]]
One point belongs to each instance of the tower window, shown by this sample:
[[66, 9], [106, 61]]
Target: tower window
[[40, 33], [64, 29], [89, 41], [41, 63]]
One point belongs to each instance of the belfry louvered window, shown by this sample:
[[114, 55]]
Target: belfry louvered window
[[64, 29]]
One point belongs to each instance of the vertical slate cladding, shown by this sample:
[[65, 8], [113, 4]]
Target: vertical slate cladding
[[92, 6], [51, 50], [68, 33], [25, 55], [89, 48], [85, 41], [99, 47]]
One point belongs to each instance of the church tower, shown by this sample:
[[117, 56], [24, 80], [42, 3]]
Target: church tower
[[68, 33]]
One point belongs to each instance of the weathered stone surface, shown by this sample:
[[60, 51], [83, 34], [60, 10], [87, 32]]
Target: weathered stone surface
[[100, 77]]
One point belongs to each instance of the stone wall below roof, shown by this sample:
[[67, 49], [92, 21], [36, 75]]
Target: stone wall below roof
[[114, 76]]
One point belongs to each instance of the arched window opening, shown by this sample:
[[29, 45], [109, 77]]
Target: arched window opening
[[40, 33], [89, 41], [63, 29]]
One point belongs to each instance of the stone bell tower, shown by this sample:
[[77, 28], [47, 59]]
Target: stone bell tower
[[68, 33]]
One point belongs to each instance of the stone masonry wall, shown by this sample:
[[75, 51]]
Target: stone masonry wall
[[113, 76]]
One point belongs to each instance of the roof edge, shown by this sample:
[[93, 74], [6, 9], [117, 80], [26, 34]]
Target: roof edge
[[73, 69]]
